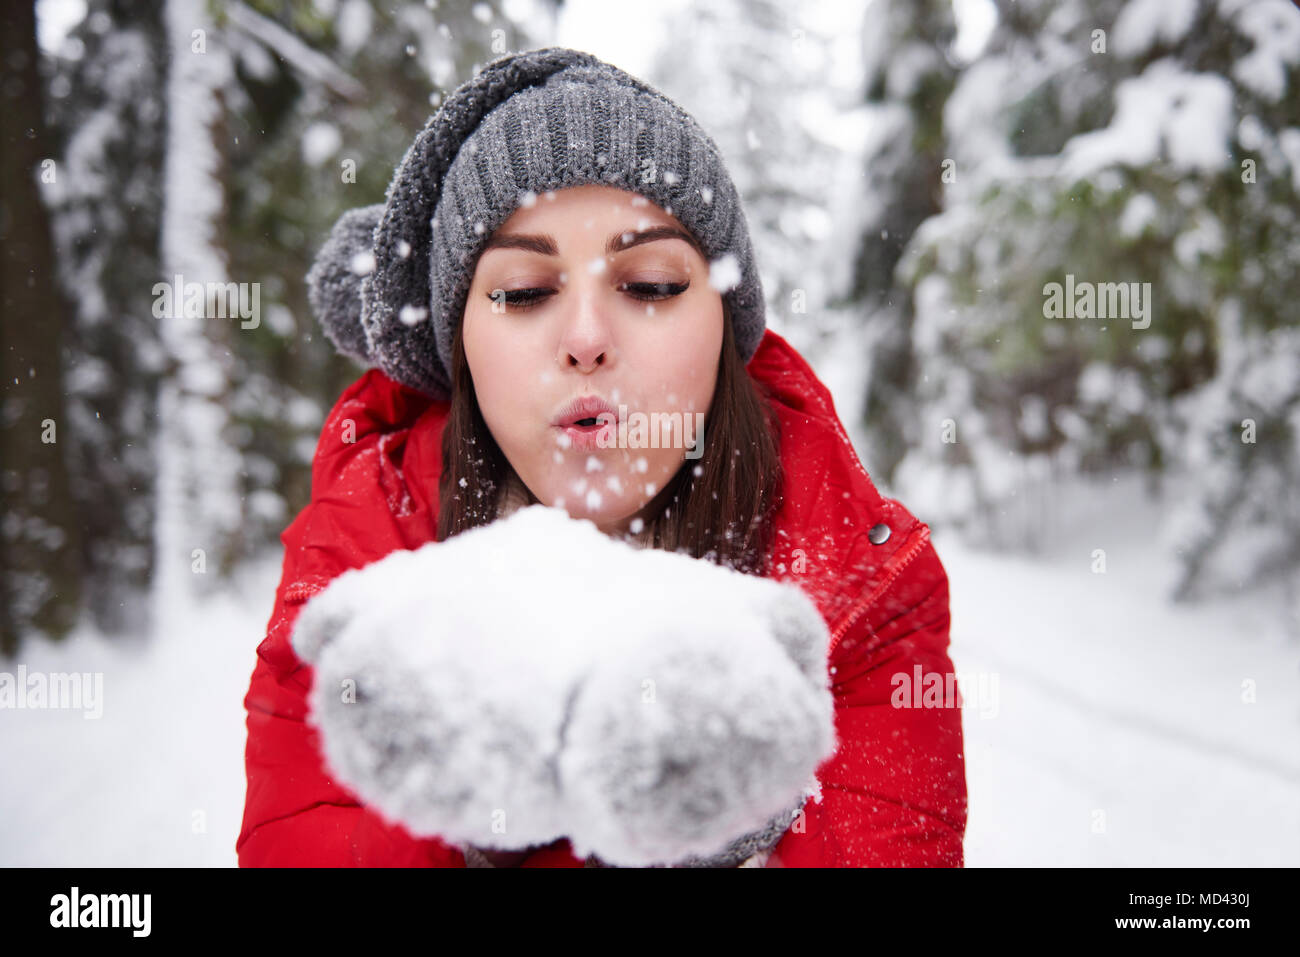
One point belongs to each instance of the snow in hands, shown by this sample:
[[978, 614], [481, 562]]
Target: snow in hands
[[535, 679]]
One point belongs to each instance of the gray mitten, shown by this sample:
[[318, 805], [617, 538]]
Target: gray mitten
[[694, 739], [533, 679], [434, 704]]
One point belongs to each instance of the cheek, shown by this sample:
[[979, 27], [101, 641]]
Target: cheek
[[489, 361], [501, 363], [685, 361]]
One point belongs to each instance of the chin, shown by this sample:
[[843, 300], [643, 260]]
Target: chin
[[608, 514]]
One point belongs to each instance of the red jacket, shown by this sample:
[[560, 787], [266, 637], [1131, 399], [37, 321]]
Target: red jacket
[[893, 794]]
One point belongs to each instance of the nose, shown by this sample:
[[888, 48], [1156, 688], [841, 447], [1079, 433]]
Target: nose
[[586, 338]]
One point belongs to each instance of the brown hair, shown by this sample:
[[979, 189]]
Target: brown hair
[[723, 515]]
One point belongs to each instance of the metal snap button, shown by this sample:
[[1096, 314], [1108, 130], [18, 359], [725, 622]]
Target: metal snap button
[[879, 534]]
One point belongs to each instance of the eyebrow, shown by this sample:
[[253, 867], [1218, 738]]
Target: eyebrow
[[624, 239]]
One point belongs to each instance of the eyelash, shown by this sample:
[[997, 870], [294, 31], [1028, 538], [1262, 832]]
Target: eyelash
[[665, 290]]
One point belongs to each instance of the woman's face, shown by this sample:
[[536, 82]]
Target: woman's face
[[576, 296]]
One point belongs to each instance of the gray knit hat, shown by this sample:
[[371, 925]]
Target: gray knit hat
[[390, 283]]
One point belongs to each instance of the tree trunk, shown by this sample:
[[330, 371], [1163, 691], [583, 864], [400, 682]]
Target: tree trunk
[[40, 577]]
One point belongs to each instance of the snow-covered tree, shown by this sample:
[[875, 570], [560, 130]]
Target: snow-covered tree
[[757, 76], [39, 541], [217, 143], [1152, 146], [107, 109], [200, 511], [1242, 446], [908, 75]]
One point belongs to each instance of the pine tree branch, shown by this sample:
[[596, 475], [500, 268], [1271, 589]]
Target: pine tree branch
[[311, 63]]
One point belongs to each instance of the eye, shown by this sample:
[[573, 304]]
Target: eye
[[519, 300], [653, 291]]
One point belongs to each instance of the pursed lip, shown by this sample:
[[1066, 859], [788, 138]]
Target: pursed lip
[[584, 407]]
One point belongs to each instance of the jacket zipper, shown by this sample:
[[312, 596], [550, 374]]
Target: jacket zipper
[[902, 558]]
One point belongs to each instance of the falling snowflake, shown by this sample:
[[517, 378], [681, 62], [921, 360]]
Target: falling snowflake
[[724, 272], [363, 263], [411, 315]]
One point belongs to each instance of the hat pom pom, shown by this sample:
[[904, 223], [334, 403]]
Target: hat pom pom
[[334, 281]]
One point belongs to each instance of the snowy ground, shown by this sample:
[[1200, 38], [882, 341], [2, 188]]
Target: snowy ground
[[1118, 735], [158, 780], [1115, 732]]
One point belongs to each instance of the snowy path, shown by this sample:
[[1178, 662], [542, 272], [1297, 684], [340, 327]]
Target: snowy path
[[1106, 701], [158, 780], [1117, 712]]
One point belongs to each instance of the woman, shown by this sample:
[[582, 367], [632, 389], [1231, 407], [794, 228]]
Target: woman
[[562, 231]]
